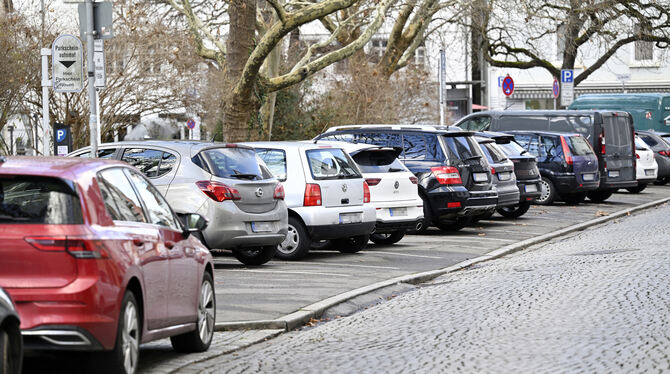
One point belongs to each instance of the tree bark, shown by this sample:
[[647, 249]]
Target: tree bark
[[239, 106]]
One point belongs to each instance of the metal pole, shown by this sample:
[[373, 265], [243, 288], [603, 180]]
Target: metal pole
[[97, 106], [90, 64], [441, 79], [46, 83], [11, 140], [554, 103]]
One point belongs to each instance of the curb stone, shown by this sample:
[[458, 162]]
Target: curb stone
[[314, 311]]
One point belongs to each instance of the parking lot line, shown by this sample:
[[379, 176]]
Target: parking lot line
[[288, 272], [338, 264], [399, 254]]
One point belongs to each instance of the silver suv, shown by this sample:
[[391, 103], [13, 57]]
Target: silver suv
[[226, 183]]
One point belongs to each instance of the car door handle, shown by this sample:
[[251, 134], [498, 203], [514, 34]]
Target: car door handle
[[138, 242], [169, 245]]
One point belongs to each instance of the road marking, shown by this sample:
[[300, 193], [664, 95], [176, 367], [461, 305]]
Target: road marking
[[307, 262], [289, 272], [400, 254]]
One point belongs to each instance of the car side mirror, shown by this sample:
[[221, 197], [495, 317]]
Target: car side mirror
[[193, 222]]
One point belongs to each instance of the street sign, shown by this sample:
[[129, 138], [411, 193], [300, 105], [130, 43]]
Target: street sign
[[508, 86], [99, 62], [191, 124], [555, 89], [623, 77], [102, 20], [567, 86], [62, 139], [67, 64]]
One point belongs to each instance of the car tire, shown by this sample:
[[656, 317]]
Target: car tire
[[548, 192], [484, 216], [199, 339], [514, 211], [297, 243], [661, 181], [128, 338], [255, 256], [637, 189], [573, 198], [351, 245], [454, 225], [599, 196], [388, 238], [10, 351]]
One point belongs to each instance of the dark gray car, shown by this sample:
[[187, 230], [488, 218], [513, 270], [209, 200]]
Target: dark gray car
[[504, 179], [11, 342]]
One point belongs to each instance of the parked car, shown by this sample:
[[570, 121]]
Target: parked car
[[98, 261], [226, 183], [326, 195], [646, 169], [11, 343], [504, 179], [650, 111], [394, 190], [661, 147], [525, 170], [455, 181], [567, 164], [609, 133]]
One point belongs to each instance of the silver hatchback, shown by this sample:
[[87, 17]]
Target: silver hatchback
[[226, 183]]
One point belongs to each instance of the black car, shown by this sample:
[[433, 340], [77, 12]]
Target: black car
[[525, 170], [657, 142], [567, 163], [11, 342], [455, 180], [610, 134], [504, 178]]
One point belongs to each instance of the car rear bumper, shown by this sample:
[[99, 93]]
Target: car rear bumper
[[60, 337], [508, 197], [529, 193], [611, 185], [569, 184], [231, 228], [319, 220], [386, 227], [340, 231]]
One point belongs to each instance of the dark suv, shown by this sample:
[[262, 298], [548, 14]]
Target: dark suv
[[609, 133], [455, 180], [504, 178], [568, 165]]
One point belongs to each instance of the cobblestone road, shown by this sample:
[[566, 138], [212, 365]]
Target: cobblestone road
[[597, 301]]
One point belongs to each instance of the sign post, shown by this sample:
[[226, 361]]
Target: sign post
[[555, 91], [442, 80], [46, 83], [567, 87]]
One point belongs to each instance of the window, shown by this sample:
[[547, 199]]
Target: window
[[159, 210], [146, 160], [506, 123], [551, 148], [493, 153], [422, 147], [420, 56], [480, 123], [462, 147], [331, 164], [512, 149], [535, 148], [378, 161], [649, 140], [106, 153], [38, 200], [574, 124], [579, 146], [523, 140], [275, 159], [240, 163], [168, 163], [119, 196], [644, 50], [377, 49]]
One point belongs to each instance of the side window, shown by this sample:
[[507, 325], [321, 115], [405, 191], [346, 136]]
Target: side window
[[523, 140], [649, 140], [551, 147], [535, 148], [422, 147], [159, 210], [480, 123], [146, 160], [168, 163], [120, 199], [107, 153], [275, 159], [384, 139]]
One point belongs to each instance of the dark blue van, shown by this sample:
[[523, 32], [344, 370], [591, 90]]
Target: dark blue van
[[567, 163]]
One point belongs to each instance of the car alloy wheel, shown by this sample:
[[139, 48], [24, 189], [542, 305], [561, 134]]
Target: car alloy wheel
[[129, 338], [544, 188], [291, 242], [206, 312]]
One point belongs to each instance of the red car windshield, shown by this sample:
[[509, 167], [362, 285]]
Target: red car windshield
[[26, 199]]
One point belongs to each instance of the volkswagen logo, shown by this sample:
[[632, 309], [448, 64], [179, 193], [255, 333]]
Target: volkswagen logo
[[259, 192], [345, 187], [396, 185]]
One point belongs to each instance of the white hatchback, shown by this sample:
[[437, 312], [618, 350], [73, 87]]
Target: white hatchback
[[326, 195], [646, 169], [394, 190]]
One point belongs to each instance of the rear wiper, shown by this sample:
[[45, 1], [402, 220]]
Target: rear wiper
[[475, 157], [522, 152], [395, 170], [245, 176]]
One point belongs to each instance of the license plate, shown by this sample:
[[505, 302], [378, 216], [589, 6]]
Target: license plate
[[505, 176], [588, 177], [649, 172], [397, 212], [261, 226], [613, 173], [480, 177], [350, 217], [531, 188]]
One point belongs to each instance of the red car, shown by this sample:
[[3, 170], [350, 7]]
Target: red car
[[95, 259]]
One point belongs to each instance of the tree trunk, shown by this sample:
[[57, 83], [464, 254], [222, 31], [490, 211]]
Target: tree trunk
[[239, 106]]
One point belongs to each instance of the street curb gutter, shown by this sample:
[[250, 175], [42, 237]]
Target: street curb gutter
[[314, 311]]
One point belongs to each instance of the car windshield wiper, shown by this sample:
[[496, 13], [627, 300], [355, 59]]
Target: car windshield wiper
[[475, 157], [522, 152], [395, 170], [244, 175], [4, 217]]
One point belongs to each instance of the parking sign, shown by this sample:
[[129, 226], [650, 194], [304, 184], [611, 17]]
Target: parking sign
[[567, 76], [567, 86]]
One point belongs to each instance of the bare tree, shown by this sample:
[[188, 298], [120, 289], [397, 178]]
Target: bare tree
[[591, 28]]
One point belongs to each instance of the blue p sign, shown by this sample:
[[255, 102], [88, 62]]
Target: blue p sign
[[60, 135], [567, 76]]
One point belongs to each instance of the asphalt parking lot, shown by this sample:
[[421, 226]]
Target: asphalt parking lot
[[279, 287]]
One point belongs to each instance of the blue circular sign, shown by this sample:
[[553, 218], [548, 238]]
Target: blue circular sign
[[191, 124], [556, 89], [508, 86]]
